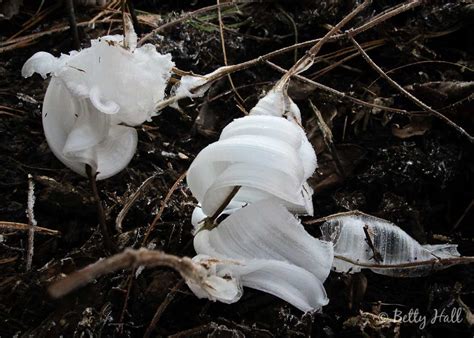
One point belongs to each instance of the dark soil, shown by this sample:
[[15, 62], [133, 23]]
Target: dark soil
[[422, 182]]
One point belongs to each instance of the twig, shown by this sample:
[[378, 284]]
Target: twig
[[224, 204], [342, 61], [224, 54], [127, 259], [8, 260], [25, 227], [295, 29], [389, 13], [159, 311], [183, 18], [462, 216], [340, 214], [164, 202], [432, 262], [406, 93], [126, 298], [463, 67], [250, 63], [31, 223], [73, 23], [141, 189], [328, 139], [308, 59], [26, 40], [133, 14], [108, 242], [338, 93]]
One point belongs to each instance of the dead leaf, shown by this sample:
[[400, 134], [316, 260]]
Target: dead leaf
[[418, 126]]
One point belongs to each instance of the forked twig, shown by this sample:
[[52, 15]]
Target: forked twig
[[338, 93], [308, 59], [128, 259]]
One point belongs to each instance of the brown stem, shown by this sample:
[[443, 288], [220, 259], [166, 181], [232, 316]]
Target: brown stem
[[225, 203], [133, 14], [108, 242], [73, 23]]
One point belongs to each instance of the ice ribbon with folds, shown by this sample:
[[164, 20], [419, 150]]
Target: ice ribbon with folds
[[266, 154], [95, 95], [264, 247]]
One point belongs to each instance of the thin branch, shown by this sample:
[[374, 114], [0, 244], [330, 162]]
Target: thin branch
[[432, 262], [25, 227], [223, 71], [224, 53], [340, 214], [133, 14], [183, 18], [141, 190], [224, 204], [159, 311], [108, 242], [406, 93], [338, 93], [389, 13], [164, 202], [73, 23], [328, 139], [368, 238], [308, 59]]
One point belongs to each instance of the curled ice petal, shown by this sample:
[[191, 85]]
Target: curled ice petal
[[392, 246], [78, 134], [274, 252], [108, 107]]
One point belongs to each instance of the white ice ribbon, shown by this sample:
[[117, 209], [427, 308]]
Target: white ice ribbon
[[267, 249], [266, 155]]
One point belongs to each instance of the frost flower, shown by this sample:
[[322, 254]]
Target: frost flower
[[266, 154], [95, 95], [264, 247], [389, 251]]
